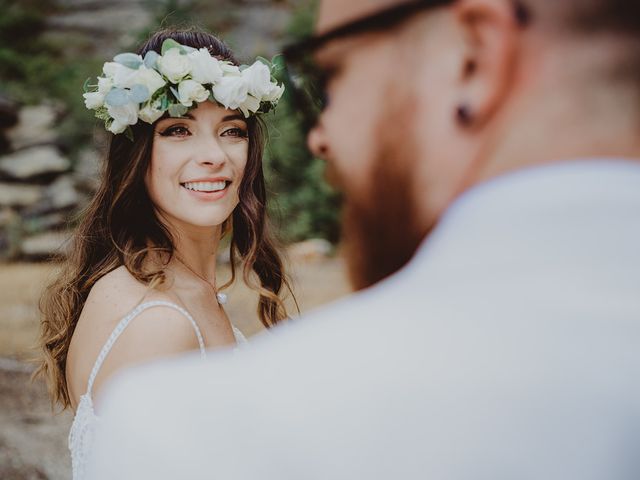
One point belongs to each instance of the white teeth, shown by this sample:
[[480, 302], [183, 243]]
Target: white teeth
[[205, 186]]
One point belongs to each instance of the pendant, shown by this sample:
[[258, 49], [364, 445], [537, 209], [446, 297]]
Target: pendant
[[222, 298]]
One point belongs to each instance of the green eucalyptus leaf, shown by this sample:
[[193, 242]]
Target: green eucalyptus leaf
[[130, 60], [168, 44], [129, 133], [278, 63], [139, 93], [264, 60], [151, 58], [164, 102], [177, 110], [117, 97]]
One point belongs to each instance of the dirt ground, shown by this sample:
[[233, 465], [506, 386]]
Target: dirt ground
[[33, 441]]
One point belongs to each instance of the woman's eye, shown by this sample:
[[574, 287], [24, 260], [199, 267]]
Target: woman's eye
[[176, 131], [234, 132]]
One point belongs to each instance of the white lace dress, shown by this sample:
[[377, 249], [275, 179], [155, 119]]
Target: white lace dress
[[84, 422]]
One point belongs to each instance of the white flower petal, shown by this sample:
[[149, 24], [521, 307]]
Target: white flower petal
[[150, 113], [251, 104], [174, 65], [116, 127], [205, 69], [120, 75], [125, 114], [190, 91], [258, 79], [93, 100], [230, 92], [149, 78]]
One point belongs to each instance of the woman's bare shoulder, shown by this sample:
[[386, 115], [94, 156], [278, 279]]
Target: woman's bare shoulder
[[154, 333], [114, 294]]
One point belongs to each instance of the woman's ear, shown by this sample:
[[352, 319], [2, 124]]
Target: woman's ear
[[491, 32]]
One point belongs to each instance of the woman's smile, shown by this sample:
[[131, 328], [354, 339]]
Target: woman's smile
[[207, 189]]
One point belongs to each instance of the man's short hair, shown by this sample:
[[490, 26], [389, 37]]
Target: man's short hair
[[614, 16], [618, 19]]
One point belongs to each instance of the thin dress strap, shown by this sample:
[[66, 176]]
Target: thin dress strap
[[123, 324]]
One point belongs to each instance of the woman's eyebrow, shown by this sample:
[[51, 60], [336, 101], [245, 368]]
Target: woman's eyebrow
[[187, 115], [233, 117]]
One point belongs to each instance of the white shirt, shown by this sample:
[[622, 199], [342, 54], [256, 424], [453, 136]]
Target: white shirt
[[509, 348]]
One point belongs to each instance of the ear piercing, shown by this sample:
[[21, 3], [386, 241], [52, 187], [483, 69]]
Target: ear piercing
[[464, 117]]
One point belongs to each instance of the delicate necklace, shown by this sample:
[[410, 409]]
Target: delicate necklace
[[221, 297]]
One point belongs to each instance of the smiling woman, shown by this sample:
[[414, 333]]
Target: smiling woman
[[197, 164], [142, 266]]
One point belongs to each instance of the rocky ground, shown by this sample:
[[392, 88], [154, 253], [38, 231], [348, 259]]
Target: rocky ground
[[33, 439]]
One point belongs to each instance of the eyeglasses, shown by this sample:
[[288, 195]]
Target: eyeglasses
[[307, 81]]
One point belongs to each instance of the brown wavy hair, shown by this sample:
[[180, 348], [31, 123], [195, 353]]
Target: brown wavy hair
[[120, 227]]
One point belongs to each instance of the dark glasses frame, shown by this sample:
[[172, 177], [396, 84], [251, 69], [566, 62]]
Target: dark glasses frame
[[310, 100], [380, 20]]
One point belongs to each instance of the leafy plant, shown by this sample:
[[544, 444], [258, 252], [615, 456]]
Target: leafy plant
[[304, 205]]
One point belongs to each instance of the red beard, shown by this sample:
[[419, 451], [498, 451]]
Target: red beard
[[381, 227]]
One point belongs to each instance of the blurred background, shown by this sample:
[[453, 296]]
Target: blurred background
[[50, 153]]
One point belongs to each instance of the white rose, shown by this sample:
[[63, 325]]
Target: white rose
[[174, 65], [151, 112], [251, 104], [149, 78], [105, 84], [124, 115], [204, 67], [274, 94], [116, 127], [120, 75], [230, 69], [230, 92], [258, 79], [190, 90], [93, 100]]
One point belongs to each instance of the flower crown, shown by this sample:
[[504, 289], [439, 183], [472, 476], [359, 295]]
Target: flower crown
[[133, 87]]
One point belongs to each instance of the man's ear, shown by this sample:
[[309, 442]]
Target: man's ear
[[491, 33]]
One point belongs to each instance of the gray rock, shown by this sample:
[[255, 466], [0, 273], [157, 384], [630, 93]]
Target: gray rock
[[8, 112], [12, 195], [10, 231], [43, 223], [33, 162], [7, 216], [45, 245], [87, 169], [35, 126], [62, 194]]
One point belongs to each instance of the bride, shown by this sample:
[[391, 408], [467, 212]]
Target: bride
[[140, 281]]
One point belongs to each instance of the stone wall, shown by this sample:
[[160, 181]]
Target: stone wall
[[39, 188]]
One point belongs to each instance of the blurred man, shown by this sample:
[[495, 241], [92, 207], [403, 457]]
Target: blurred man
[[493, 146]]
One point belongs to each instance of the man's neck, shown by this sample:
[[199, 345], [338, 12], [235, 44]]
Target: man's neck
[[556, 124]]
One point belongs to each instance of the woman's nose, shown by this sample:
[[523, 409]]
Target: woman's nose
[[210, 152]]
